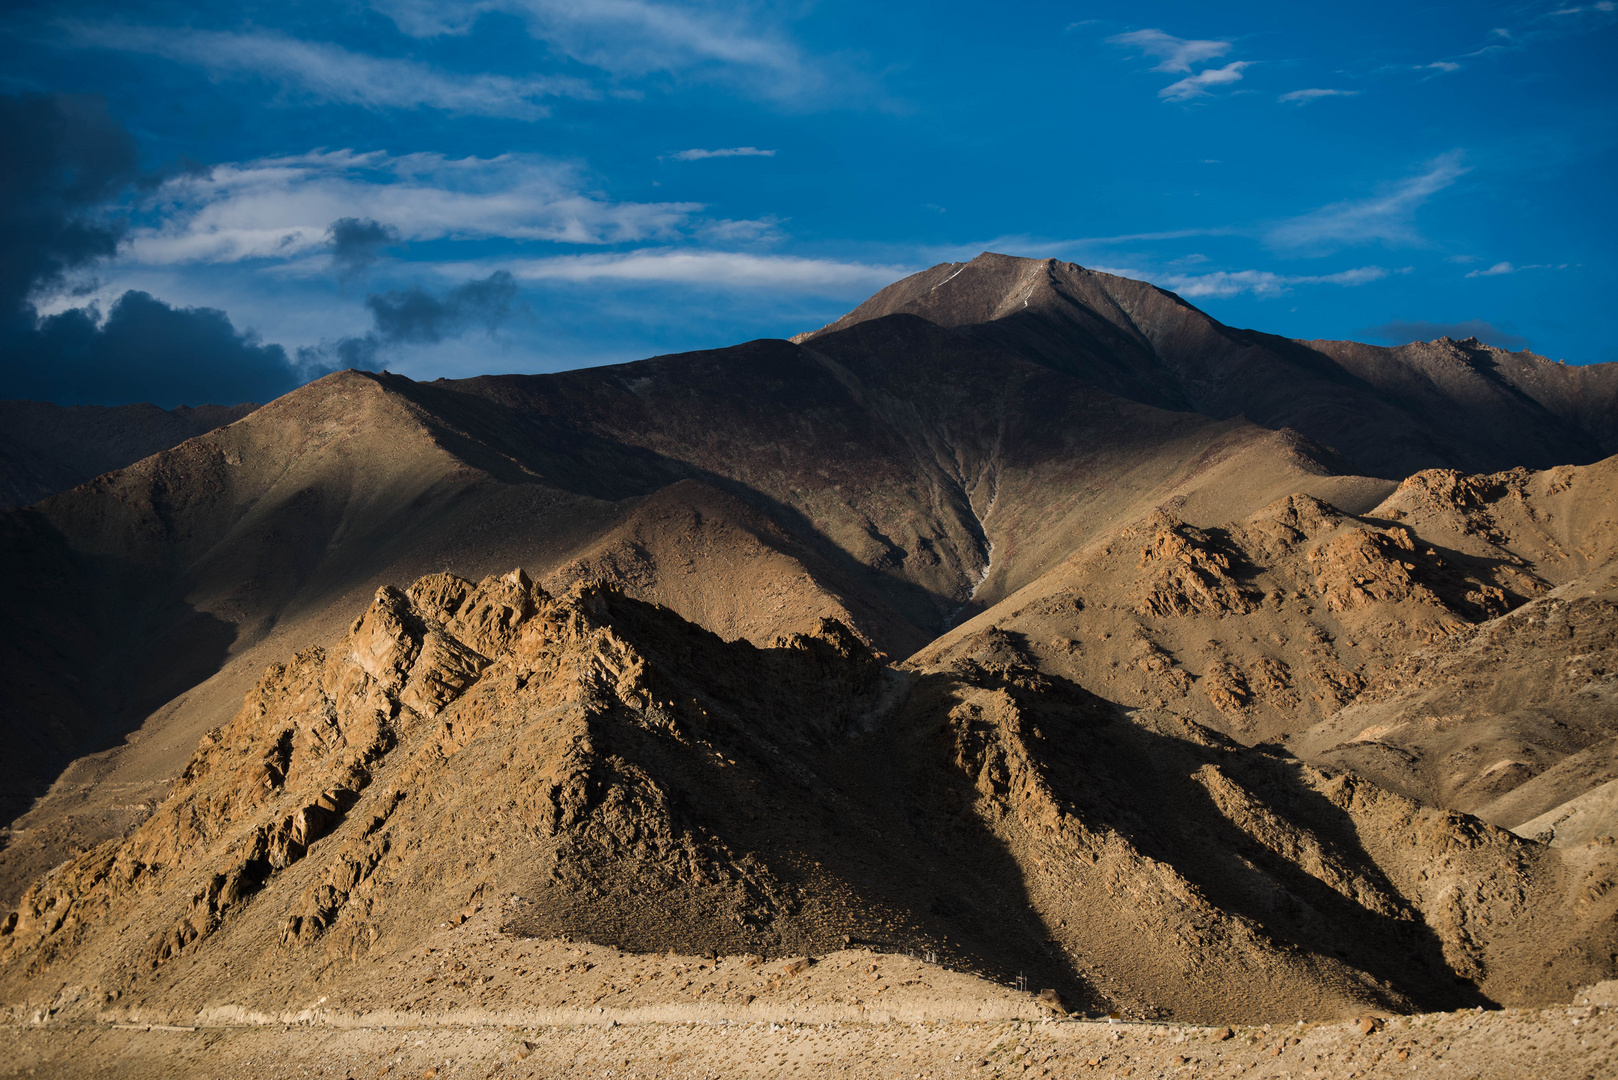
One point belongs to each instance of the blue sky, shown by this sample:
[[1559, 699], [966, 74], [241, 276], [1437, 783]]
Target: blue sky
[[448, 189]]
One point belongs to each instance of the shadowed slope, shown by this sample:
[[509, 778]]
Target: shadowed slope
[[49, 448]]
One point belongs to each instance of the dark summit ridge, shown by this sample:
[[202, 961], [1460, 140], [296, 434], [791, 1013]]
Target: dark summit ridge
[[1390, 411]]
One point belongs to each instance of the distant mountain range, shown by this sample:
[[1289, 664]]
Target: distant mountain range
[[47, 448], [1025, 614]]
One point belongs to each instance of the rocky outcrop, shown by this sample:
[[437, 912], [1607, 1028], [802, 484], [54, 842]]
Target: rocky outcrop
[[1186, 573]]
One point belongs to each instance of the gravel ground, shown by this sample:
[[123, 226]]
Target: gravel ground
[[1578, 1043]]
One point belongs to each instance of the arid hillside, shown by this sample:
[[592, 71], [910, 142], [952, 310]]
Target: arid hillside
[[882, 469]]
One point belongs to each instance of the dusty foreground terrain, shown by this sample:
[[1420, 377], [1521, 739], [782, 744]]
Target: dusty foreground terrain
[[911, 1020]]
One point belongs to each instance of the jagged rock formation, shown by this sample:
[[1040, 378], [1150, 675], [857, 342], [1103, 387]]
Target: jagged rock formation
[[643, 784]]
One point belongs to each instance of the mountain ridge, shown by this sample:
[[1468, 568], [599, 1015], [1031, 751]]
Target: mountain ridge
[[1147, 344]]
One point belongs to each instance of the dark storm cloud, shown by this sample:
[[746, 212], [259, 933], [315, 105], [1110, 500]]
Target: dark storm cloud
[[1399, 332], [356, 244], [415, 316], [63, 159], [146, 350]]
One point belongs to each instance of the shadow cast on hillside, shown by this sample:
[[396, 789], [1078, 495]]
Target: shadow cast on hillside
[[526, 447], [835, 840], [90, 646], [827, 835], [1124, 775]]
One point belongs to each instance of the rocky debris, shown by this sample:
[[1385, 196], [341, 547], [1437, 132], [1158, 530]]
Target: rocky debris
[[1363, 566]]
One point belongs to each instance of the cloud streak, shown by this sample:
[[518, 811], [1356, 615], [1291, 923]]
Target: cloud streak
[[1304, 97], [734, 151], [327, 72], [1501, 268], [1172, 53], [1386, 218], [727, 269], [1221, 284], [635, 38], [1195, 86], [1181, 55]]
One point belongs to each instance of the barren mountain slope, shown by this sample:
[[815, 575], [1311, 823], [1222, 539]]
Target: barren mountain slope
[[928, 458], [624, 776], [727, 568], [143, 594], [48, 448], [1389, 411], [1451, 643]]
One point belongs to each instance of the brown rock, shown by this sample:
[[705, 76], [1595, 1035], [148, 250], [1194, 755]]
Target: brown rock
[[1223, 1034]]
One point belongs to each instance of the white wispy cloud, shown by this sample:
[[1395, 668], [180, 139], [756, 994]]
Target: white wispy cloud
[[1304, 97], [1223, 283], [281, 208], [1173, 54], [1439, 65], [1500, 268], [329, 72], [1129, 238], [729, 269], [1182, 55], [636, 37], [734, 151], [1385, 218], [1194, 86]]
